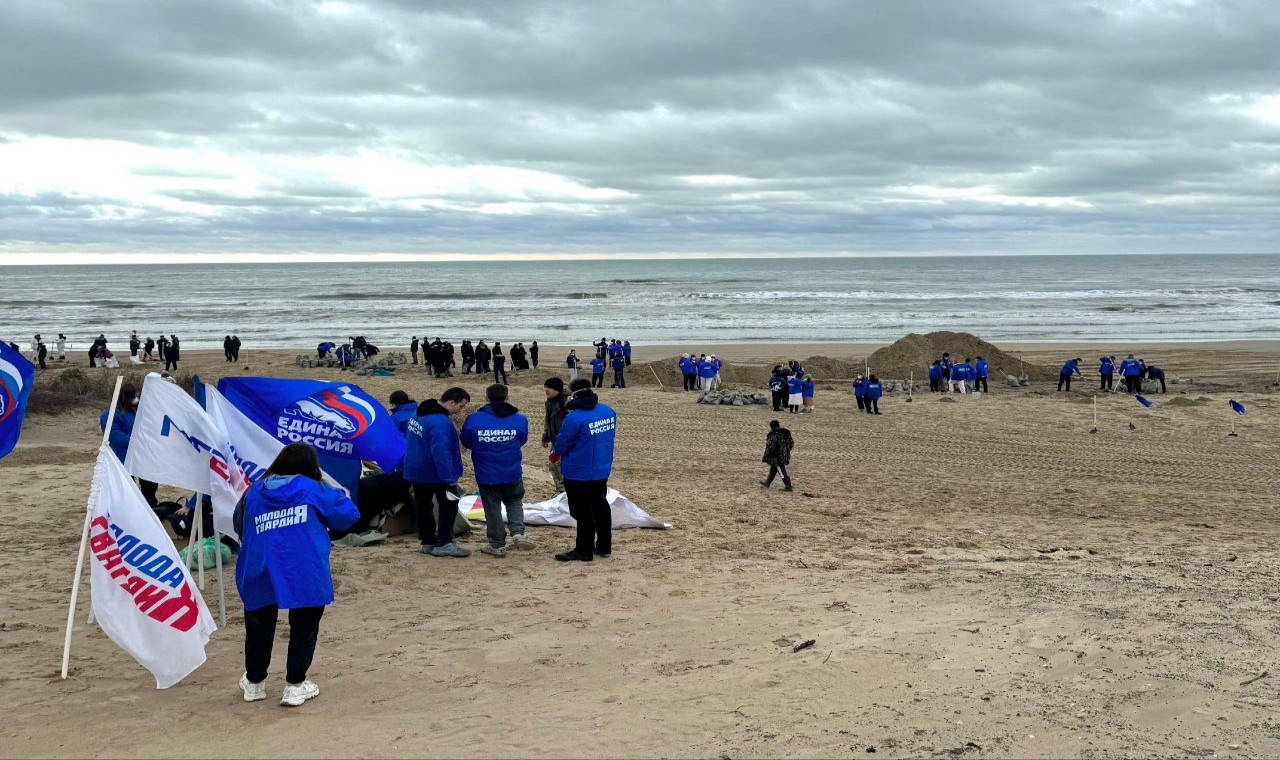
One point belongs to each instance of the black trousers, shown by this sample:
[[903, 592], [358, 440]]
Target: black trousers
[[691, 384], [148, 490], [862, 402], [619, 379], [1064, 380], [872, 405], [597, 381], [498, 372], [980, 381], [1133, 384], [260, 635], [1106, 383], [935, 385], [773, 473], [433, 531], [779, 399], [588, 505]]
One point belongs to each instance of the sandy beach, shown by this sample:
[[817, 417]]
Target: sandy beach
[[981, 578]]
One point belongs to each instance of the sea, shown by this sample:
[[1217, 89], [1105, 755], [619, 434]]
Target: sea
[[784, 299]]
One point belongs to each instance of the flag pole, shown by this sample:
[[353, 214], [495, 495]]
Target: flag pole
[[197, 539], [84, 536]]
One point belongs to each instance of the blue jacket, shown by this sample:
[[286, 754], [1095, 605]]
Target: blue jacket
[[585, 442], [1130, 368], [962, 371], [982, 368], [401, 415], [619, 362], [121, 431], [433, 454], [806, 388], [777, 383], [687, 368], [935, 371], [495, 433], [571, 361], [1070, 368], [626, 349], [1106, 366], [874, 390], [717, 364], [706, 369], [597, 366], [284, 530], [859, 388], [946, 364], [794, 385]]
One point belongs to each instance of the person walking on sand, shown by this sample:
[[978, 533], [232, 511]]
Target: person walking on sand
[[597, 372], [1070, 368], [795, 393], [499, 364], [584, 449], [148, 350], [860, 391], [571, 363], [1106, 373], [171, 355], [688, 373], [626, 351], [935, 378], [777, 386], [235, 348], [777, 454], [981, 372], [432, 467], [284, 521], [619, 363], [62, 347], [533, 354], [807, 389], [42, 353], [1131, 371], [494, 434], [226, 347], [554, 420], [873, 392], [413, 349]]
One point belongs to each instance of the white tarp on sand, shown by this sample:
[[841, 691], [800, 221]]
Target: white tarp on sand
[[555, 511]]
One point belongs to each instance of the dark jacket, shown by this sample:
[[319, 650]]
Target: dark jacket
[[555, 413], [777, 448]]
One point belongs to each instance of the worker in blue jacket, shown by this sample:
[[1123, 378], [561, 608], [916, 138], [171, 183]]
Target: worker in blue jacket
[[1131, 370], [626, 351], [795, 393], [1106, 373], [403, 409], [284, 521], [584, 450], [935, 378], [860, 391], [1155, 373], [689, 373], [960, 374], [122, 432], [981, 372], [1070, 368], [597, 372], [707, 373], [619, 364], [432, 467], [716, 364], [495, 434], [945, 361], [874, 390], [807, 390]]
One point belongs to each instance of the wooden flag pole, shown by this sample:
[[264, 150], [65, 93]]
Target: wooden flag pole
[[84, 536]]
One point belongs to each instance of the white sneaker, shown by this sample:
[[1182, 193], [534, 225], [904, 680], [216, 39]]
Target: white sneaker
[[295, 695], [253, 692], [521, 541]]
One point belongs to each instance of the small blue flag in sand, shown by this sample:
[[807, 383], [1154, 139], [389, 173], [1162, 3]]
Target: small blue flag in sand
[[1236, 406], [1144, 402]]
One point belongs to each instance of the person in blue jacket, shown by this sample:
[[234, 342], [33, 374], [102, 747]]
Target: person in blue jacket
[[1155, 373], [945, 361], [284, 521], [122, 432], [1131, 370], [495, 433], [935, 378], [860, 391], [795, 393], [584, 449], [432, 467], [981, 372], [960, 374], [716, 364], [571, 362], [1070, 368], [403, 409], [597, 372], [1106, 373], [689, 373], [619, 363], [707, 373], [873, 393], [807, 390], [626, 351]]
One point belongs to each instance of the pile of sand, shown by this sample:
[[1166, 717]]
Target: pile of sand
[[915, 353]]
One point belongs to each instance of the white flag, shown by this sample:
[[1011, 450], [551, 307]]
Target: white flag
[[176, 443], [143, 597]]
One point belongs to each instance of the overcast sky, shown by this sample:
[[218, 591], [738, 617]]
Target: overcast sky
[[593, 126]]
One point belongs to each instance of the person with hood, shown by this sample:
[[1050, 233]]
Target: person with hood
[[554, 420], [468, 356], [778, 387], [122, 432], [571, 362], [945, 361], [284, 521], [872, 393], [795, 393], [226, 346], [1154, 373], [432, 467], [533, 354], [494, 434], [403, 409], [171, 354], [860, 391], [1071, 367], [62, 347], [807, 389], [688, 373], [1131, 370], [597, 372], [777, 454], [626, 351], [148, 350], [707, 373], [716, 364], [584, 450], [980, 374], [93, 353], [42, 353], [961, 374], [413, 349], [235, 348], [1106, 373], [499, 364], [619, 363]]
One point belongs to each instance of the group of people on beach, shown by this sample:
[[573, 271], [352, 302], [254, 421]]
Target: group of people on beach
[[958, 377], [1132, 372], [100, 354]]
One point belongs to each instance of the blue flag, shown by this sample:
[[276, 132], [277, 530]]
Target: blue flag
[[1236, 406], [339, 419], [1143, 401], [17, 375]]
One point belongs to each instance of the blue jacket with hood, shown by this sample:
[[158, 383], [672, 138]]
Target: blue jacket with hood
[[982, 369], [1131, 368], [585, 442], [402, 413], [1106, 366], [706, 369], [962, 371], [859, 388], [687, 368], [495, 433], [794, 385], [1070, 368], [284, 525], [433, 454], [935, 371], [874, 389], [121, 431], [806, 388], [597, 366]]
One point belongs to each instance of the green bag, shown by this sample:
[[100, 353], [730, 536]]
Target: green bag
[[207, 549]]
